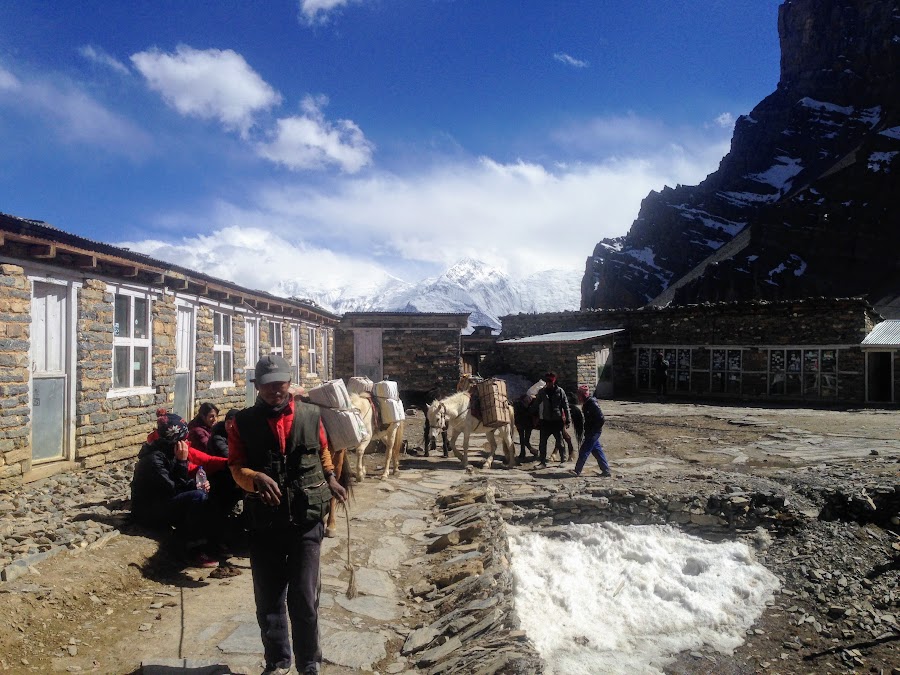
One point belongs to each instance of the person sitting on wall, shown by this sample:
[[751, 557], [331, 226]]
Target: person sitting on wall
[[164, 495], [200, 428]]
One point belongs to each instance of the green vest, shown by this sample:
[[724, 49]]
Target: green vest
[[305, 495]]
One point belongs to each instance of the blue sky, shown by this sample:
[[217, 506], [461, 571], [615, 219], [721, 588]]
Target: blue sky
[[332, 139]]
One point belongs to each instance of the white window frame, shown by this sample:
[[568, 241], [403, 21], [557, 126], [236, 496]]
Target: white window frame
[[276, 338], [325, 365], [132, 342], [224, 348], [295, 352], [313, 369]]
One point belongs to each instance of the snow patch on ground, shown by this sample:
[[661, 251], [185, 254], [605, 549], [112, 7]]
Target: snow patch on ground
[[620, 599]]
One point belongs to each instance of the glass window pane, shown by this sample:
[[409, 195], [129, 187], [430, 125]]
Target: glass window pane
[[226, 367], [141, 321], [643, 358], [793, 385], [810, 384], [121, 367], [734, 360], [718, 382], [217, 366], [829, 361], [776, 360], [811, 361], [141, 367], [733, 382], [776, 383], [718, 359], [684, 359], [793, 361], [122, 321], [217, 328], [226, 329]]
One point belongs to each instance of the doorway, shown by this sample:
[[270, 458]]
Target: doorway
[[879, 377], [367, 354], [51, 381], [184, 362], [604, 362]]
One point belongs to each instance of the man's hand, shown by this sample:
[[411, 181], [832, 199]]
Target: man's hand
[[267, 489], [337, 489], [181, 451]]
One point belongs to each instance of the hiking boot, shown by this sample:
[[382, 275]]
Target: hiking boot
[[605, 474]]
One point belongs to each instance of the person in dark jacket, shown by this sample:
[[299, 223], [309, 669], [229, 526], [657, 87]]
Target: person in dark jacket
[[200, 428], [593, 427], [278, 452], [218, 437], [162, 493], [661, 373], [554, 417]]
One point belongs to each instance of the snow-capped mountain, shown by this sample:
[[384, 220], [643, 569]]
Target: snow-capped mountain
[[468, 286]]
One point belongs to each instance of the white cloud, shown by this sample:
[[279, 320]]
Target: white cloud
[[316, 11], [100, 57], [562, 57], [309, 141], [725, 120], [71, 114], [519, 216], [8, 81], [209, 84]]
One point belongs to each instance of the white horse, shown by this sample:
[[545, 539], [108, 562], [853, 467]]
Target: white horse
[[391, 436], [453, 414]]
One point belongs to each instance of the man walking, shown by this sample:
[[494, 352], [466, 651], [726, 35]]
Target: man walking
[[554, 416], [661, 372], [278, 453], [593, 427]]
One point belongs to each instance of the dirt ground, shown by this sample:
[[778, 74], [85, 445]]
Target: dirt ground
[[89, 611]]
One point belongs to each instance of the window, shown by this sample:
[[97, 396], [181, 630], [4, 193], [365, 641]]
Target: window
[[679, 372], [725, 371], [222, 348], [810, 373], [131, 341], [276, 339], [325, 363], [312, 351], [295, 352]]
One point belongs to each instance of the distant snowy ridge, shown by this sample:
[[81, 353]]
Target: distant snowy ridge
[[469, 286]]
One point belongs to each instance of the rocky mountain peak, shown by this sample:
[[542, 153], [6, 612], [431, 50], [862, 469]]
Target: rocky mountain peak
[[803, 202]]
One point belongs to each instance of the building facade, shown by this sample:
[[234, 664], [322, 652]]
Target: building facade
[[420, 350], [806, 350], [95, 338]]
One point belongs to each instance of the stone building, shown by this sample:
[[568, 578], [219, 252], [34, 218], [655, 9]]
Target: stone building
[[420, 350], [807, 350], [94, 338]]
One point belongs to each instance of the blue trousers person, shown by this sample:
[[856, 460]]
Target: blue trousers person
[[591, 446]]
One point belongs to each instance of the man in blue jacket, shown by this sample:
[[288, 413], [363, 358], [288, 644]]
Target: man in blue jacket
[[593, 427]]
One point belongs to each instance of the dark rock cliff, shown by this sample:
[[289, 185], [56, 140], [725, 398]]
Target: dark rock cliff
[[807, 201]]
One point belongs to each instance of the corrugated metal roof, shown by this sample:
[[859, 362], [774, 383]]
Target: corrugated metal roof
[[885, 334], [568, 336]]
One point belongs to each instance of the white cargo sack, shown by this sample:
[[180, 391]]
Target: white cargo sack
[[331, 394], [391, 410], [535, 388], [360, 385], [345, 428], [387, 389]]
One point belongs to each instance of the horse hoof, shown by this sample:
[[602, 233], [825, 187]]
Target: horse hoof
[[329, 532]]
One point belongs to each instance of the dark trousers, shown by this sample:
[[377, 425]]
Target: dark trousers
[[549, 428], [188, 513], [285, 566], [591, 446]]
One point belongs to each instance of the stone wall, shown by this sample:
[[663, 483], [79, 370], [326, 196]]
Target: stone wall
[[15, 419], [422, 361], [752, 326]]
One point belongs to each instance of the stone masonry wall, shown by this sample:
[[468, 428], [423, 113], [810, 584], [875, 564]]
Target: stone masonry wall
[[222, 397], [108, 429], [343, 353], [422, 360], [15, 419]]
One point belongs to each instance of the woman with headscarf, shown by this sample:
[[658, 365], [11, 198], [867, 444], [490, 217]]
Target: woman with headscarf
[[162, 493]]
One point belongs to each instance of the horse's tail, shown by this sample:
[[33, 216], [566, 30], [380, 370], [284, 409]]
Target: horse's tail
[[578, 423], [345, 479]]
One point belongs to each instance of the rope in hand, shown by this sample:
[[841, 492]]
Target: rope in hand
[[351, 587]]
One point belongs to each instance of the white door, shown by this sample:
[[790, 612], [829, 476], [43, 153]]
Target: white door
[[49, 380], [251, 356], [367, 355], [604, 373], [184, 362]]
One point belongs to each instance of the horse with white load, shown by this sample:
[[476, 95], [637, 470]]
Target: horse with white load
[[452, 413]]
